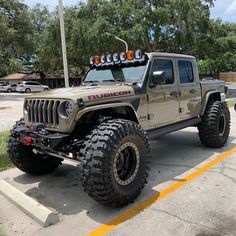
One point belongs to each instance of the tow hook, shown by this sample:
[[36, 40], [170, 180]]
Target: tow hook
[[28, 140]]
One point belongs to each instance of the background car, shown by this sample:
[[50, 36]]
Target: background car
[[8, 88], [2, 83], [31, 86]]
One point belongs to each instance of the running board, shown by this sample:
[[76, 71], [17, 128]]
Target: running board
[[155, 133]]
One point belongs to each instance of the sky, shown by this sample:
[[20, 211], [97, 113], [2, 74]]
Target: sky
[[225, 9]]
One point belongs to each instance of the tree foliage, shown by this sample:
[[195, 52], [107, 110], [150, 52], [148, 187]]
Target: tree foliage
[[15, 34], [31, 37]]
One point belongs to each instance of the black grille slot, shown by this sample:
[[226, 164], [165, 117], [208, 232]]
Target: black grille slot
[[43, 111]]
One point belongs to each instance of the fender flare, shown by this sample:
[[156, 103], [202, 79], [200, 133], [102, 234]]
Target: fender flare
[[206, 99], [105, 106]]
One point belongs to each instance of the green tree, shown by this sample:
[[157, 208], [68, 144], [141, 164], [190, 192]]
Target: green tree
[[15, 32], [150, 25], [220, 48]]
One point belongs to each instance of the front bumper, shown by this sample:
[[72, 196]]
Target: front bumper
[[37, 136]]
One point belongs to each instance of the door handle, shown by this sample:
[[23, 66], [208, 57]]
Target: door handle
[[192, 91], [174, 94]]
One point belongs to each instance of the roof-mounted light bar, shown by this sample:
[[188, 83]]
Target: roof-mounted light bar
[[117, 58]]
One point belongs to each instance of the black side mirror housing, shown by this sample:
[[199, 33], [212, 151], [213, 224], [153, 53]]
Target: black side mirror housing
[[158, 77]]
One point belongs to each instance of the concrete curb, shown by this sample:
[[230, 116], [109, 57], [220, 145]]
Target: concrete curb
[[38, 212]]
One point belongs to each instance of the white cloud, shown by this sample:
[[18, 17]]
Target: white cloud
[[231, 9]]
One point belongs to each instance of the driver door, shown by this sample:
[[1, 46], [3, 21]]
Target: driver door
[[163, 99]]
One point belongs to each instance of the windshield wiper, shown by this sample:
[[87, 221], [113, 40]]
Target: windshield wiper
[[111, 80], [90, 81]]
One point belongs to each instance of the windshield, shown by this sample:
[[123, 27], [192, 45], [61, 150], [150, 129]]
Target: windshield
[[123, 75]]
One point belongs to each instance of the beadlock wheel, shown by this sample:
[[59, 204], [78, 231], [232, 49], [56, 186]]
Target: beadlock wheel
[[126, 163], [115, 160]]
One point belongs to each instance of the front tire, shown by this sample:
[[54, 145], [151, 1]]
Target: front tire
[[26, 160], [215, 126], [115, 162]]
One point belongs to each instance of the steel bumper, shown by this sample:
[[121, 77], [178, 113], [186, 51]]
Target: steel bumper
[[36, 135]]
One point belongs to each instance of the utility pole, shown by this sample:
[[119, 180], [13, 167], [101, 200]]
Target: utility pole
[[63, 43]]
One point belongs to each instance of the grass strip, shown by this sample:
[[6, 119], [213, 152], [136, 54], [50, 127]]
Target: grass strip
[[5, 162]]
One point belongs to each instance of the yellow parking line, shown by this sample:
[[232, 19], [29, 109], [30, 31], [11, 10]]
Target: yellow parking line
[[102, 230]]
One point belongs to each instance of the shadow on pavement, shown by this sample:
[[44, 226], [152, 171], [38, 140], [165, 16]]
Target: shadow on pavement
[[172, 155]]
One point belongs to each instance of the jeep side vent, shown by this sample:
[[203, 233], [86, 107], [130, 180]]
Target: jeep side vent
[[43, 111]]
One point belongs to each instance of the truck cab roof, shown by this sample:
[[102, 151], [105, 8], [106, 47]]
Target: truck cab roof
[[171, 55]]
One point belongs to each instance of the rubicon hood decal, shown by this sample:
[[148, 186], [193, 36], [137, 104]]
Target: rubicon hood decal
[[109, 95], [88, 93]]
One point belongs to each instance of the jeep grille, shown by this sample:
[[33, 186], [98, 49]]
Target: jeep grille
[[43, 111]]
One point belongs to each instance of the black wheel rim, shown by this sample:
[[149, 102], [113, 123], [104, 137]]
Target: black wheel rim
[[222, 125], [126, 163]]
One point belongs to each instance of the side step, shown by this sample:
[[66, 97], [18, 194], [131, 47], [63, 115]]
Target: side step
[[155, 133]]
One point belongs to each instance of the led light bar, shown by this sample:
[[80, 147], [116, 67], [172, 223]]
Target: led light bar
[[130, 55], [103, 59], [109, 58], [117, 58], [123, 56], [138, 54]]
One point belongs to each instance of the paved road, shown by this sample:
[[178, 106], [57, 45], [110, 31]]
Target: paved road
[[11, 109], [203, 207]]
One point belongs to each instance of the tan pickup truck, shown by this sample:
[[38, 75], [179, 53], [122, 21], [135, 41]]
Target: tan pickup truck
[[106, 123]]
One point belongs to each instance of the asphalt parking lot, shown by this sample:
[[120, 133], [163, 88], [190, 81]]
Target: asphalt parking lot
[[172, 203]]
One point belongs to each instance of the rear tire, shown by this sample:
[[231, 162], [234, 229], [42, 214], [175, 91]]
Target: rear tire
[[215, 126], [115, 161], [27, 161]]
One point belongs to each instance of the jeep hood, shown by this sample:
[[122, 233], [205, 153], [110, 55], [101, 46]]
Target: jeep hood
[[88, 93]]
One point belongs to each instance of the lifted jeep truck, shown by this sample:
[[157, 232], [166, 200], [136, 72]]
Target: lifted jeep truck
[[106, 123]]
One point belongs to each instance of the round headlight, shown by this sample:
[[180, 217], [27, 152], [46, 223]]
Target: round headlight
[[103, 59], [123, 56], [97, 60], [138, 54], [130, 55], [109, 58], [68, 108], [116, 57], [91, 61]]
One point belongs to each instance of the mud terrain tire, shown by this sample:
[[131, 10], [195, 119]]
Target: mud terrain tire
[[115, 162], [215, 126], [27, 161]]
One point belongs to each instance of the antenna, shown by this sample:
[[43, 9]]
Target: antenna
[[123, 41]]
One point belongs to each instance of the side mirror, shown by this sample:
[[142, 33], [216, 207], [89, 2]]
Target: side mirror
[[158, 77]]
